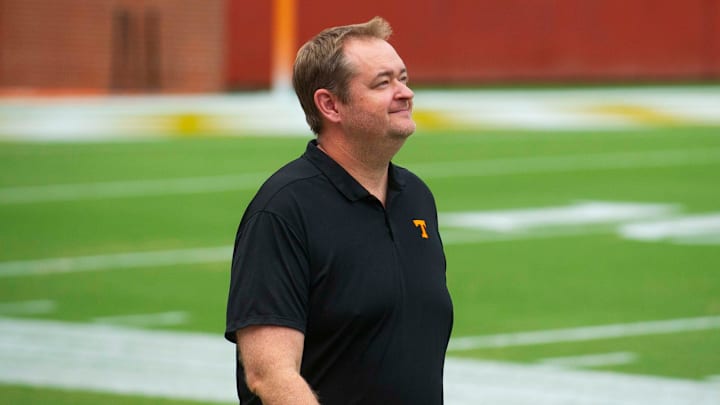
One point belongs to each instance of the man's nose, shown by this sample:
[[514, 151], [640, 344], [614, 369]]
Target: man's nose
[[405, 91]]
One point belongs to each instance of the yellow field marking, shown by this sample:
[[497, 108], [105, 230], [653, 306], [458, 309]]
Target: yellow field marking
[[189, 124], [433, 120], [637, 114]]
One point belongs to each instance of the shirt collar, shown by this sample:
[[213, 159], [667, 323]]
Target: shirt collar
[[342, 180]]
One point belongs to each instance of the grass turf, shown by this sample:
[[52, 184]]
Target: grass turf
[[498, 286]]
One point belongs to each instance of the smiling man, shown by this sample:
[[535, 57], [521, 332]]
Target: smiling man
[[338, 292]]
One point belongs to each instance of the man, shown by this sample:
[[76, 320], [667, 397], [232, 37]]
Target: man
[[338, 292]]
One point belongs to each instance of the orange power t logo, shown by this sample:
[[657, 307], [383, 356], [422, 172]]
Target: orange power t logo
[[420, 223]]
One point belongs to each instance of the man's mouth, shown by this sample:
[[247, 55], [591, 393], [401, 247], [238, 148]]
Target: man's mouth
[[402, 110]]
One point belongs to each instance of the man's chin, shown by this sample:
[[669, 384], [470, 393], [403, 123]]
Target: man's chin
[[404, 131]]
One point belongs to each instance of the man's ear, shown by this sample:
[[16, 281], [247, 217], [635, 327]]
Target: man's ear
[[327, 103]]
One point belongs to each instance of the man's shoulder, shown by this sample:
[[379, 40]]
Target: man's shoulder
[[289, 180], [410, 179], [295, 171]]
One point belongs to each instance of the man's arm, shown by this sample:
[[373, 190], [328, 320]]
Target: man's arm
[[271, 356]]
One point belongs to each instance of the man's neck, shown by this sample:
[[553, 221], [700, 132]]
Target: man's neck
[[367, 165]]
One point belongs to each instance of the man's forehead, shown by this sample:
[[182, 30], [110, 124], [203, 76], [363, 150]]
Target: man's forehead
[[373, 53]]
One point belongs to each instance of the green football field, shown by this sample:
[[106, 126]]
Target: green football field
[[547, 234]]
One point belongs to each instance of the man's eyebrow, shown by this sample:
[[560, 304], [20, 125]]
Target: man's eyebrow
[[390, 73]]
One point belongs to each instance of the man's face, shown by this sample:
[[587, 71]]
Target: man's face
[[380, 103]]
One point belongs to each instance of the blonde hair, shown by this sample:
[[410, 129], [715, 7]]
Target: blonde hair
[[321, 64]]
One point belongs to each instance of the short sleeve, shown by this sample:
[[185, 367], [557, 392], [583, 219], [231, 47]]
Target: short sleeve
[[269, 282]]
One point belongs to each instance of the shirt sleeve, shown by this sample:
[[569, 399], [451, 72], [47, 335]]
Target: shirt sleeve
[[269, 282]]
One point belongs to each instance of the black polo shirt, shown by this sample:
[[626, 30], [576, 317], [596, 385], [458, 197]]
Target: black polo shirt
[[364, 283]]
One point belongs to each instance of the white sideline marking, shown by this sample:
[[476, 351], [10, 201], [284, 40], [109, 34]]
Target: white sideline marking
[[591, 360], [201, 367], [172, 318], [582, 213], [114, 359], [585, 333], [475, 168], [471, 382], [695, 229], [115, 261], [33, 307]]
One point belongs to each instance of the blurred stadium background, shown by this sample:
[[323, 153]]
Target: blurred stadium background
[[573, 147]]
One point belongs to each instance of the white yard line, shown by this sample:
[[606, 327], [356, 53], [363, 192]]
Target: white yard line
[[115, 261], [219, 254], [459, 236], [586, 333], [581, 213], [130, 188], [171, 318], [591, 360], [201, 367], [474, 168], [551, 164], [583, 218], [696, 228], [31, 307]]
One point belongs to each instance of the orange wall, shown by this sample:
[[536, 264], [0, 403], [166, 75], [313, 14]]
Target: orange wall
[[171, 45], [248, 38], [216, 45], [482, 41]]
